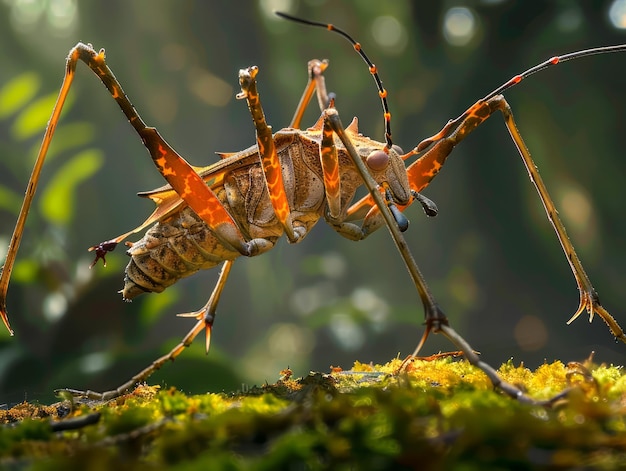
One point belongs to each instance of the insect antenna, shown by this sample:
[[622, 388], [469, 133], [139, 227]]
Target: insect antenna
[[554, 61], [372, 68]]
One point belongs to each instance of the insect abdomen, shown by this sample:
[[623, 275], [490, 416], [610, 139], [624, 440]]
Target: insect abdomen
[[171, 250]]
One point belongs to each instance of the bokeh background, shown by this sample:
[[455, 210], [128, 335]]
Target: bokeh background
[[490, 256]]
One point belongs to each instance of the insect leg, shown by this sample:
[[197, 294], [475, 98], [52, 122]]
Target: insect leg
[[16, 238], [422, 171], [508, 388], [205, 317], [330, 171], [434, 316], [178, 173], [316, 84], [269, 157], [589, 299]]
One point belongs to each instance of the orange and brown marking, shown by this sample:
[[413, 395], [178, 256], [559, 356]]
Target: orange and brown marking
[[330, 168], [267, 151]]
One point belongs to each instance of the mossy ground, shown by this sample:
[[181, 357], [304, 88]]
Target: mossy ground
[[439, 414]]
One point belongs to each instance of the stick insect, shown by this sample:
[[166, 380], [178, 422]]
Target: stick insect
[[244, 203]]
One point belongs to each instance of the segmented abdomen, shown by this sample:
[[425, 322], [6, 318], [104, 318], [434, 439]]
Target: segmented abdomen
[[170, 250]]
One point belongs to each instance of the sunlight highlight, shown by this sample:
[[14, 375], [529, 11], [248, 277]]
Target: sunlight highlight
[[617, 14], [531, 333], [59, 17], [389, 33], [459, 26]]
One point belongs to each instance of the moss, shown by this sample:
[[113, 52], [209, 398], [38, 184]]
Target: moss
[[437, 414]]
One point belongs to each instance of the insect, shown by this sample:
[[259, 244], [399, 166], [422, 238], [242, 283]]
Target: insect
[[242, 204]]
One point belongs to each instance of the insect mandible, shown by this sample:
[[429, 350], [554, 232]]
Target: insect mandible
[[253, 200]]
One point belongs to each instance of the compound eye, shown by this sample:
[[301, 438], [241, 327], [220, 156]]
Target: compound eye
[[377, 160], [398, 149]]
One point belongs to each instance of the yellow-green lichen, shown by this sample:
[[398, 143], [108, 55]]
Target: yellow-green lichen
[[436, 414]]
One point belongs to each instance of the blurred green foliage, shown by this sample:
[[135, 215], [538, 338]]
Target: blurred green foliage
[[16, 93], [490, 256]]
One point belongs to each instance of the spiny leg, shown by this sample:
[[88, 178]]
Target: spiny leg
[[434, 315], [422, 171], [267, 153], [176, 170], [205, 317], [436, 150], [427, 166], [436, 321], [316, 84], [508, 388], [31, 187], [178, 173], [589, 299], [330, 171]]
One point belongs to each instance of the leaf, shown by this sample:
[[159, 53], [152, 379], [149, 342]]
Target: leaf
[[9, 200], [17, 92], [154, 306], [57, 203], [67, 137], [34, 118], [24, 271]]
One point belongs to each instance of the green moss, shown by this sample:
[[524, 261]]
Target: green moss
[[436, 414]]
